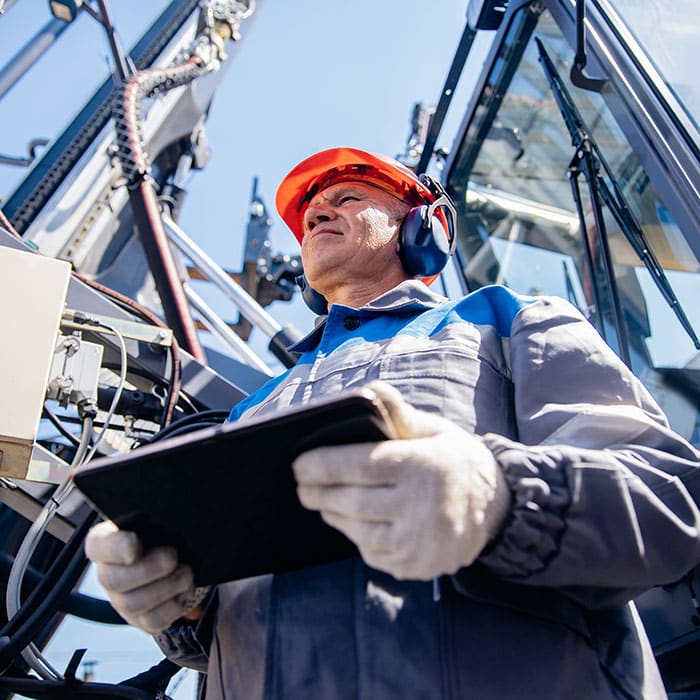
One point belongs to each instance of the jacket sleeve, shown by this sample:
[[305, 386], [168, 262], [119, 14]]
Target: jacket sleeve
[[187, 644], [605, 494]]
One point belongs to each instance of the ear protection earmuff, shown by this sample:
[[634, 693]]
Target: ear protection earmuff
[[313, 299], [425, 245]]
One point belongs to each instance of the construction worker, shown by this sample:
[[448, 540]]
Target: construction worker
[[536, 487]]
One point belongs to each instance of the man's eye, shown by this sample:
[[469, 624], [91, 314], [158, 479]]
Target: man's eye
[[348, 198]]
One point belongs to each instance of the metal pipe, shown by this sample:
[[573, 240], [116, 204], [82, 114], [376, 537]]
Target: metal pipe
[[29, 54], [215, 274], [118, 55], [218, 327], [448, 89], [6, 5]]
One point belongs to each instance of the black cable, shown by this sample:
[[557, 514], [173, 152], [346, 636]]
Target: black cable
[[56, 422], [210, 417], [11, 647], [64, 556], [22, 641], [45, 599], [210, 414], [67, 578], [77, 604], [65, 690], [191, 428], [100, 424], [92, 609]]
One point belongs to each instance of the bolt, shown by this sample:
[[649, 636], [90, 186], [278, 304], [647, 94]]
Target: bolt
[[70, 345]]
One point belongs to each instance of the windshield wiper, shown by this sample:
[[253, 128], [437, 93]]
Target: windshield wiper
[[589, 161]]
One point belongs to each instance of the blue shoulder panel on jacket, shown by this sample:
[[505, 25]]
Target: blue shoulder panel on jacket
[[256, 397], [494, 306]]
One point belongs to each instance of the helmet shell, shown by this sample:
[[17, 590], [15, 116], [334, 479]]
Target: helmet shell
[[325, 168]]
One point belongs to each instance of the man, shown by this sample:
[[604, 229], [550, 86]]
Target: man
[[534, 490]]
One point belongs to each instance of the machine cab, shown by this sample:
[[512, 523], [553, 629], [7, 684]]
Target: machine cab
[[576, 173]]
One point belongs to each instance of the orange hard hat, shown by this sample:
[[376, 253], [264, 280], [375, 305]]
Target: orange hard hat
[[325, 168], [318, 171]]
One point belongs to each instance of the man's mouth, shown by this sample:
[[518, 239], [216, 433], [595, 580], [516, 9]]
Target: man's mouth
[[318, 231]]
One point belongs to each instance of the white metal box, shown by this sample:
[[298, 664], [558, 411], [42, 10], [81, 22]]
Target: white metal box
[[33, 293]]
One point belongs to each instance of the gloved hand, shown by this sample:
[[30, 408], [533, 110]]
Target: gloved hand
[[416, 507], [149, 590]]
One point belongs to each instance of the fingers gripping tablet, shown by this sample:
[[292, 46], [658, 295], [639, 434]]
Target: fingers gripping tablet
[[225, 497]]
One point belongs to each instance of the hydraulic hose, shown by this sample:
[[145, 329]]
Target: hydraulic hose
[[144, 202], [79, 605], [47, 597], [45, 689]]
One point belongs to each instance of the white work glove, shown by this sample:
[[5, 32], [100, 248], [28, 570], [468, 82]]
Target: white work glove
[[149, 590], [417, 507]]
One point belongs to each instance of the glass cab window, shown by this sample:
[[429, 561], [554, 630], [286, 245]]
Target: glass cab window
[[517, 178]]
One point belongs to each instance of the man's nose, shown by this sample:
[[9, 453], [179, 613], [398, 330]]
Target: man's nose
[[317, 213]]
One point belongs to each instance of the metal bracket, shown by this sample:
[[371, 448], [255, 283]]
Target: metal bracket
[[578, 77], [24, 162], [129, 329]]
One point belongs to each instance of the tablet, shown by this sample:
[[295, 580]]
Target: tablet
[[225, 496]]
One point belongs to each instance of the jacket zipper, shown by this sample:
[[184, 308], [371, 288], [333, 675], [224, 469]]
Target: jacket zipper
[[442, 631]]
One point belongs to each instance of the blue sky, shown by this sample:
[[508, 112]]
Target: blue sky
[[308, 75]]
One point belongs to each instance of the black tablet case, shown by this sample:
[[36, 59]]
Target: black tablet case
[[225, 496]]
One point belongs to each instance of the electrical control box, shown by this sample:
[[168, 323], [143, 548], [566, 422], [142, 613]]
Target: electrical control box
[[33, 292]]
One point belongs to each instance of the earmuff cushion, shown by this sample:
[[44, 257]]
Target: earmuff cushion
[[424, 247]]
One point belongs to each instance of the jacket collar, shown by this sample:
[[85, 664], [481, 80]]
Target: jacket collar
[[409, 295]]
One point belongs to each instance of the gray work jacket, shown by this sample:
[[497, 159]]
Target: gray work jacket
[[604, 506]]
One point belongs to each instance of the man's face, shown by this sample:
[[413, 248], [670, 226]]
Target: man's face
[[350, 236]]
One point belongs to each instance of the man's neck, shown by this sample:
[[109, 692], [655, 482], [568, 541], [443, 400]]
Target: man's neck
[[357, 295]]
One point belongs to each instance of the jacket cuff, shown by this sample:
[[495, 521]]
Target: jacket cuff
[[187, 643], [532, 532]]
